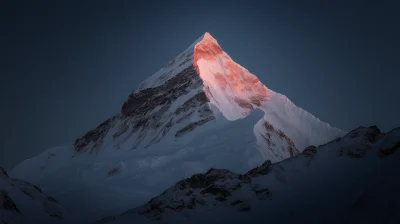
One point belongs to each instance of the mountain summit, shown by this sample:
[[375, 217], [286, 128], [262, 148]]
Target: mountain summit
[[178, 99], [228, 86], [201, 110]]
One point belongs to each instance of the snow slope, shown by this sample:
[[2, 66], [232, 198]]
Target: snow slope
[[353, 179], [201, 110], [236, 92], [22, 202]]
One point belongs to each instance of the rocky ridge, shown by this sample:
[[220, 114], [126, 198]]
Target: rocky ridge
[[222, 188]]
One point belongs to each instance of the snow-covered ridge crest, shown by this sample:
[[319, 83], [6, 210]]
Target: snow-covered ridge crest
[[236, 93], [229, 86], [175, 104]]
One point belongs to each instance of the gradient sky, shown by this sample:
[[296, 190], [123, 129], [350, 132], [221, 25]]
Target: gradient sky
[[69, 65]]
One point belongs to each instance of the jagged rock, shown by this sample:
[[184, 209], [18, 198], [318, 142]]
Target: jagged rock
[[3, 173], [270, 137], [192, 126], [384, 152], [364, 138], [310, 151], [264, 169], [7, 203], [94, 136], [148, 110], [113, 171]]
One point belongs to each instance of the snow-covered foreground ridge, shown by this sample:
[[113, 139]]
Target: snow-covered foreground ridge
[[353, 179], [22, 202], [201, 107]]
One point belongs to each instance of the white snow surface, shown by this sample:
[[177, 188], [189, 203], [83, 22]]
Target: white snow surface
[[232, 141], [22, 202], [176, 65], [303, 128], [324, 186], [226, 81]]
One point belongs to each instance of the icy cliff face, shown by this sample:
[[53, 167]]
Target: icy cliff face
[[201, 110]]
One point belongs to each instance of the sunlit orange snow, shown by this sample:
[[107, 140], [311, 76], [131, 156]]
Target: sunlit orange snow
[[221, 74]]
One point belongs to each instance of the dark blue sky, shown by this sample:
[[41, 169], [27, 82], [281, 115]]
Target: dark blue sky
[[68, 66]]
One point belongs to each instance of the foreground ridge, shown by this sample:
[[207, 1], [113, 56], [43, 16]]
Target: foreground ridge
[[222, 195], [23, 202]]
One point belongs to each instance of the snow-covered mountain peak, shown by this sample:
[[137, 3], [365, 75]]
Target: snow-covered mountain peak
[[207, 36], [228, 86], [201, 107], [207, 47]]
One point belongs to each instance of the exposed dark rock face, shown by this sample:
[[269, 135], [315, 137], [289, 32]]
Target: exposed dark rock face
[[262, 193], [24, 184], [244, 103], [194, 102], [7, 203], [94, 136], [310, 151], [362, 140], [57, 215], [17, 195], [205, 180], [288, 148], [223, 187], [148, 112], [385, 152], [193, 125], [27, 193], [264, 169], [113, 171], [268, 126], [374, 134], [220, 192], [148, 99], [214, 186], [51, 199]]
